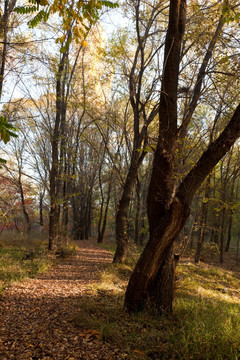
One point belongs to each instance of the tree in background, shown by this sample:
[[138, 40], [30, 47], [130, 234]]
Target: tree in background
[[142, 77]]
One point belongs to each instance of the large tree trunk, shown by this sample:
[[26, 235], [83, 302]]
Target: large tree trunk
[[149, 269], [166, 214], [153, 276]]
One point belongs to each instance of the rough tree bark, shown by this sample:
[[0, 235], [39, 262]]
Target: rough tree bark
[[166, 215], [153, 277], [148, 268]]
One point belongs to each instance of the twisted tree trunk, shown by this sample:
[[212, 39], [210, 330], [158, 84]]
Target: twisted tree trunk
[[168, 209]]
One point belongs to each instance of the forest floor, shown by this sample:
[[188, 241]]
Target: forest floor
[[36, 314], [74, 311]]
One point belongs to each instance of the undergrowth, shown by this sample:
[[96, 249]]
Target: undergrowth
[[205, 324], [25, 255]]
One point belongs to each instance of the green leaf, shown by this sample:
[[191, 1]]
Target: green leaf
[[109, 4], [25, 9], [6, 130], [42, 15]]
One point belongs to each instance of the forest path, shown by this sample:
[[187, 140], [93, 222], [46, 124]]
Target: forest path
[[36, 314]]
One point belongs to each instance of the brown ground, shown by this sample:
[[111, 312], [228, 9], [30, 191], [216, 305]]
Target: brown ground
[[36, 314]]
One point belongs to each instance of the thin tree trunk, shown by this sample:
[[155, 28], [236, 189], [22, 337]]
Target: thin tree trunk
[[203, 220], [138, 200], [122, 237], [193, 229], [4, 24], [65, 197], [99, 240], [25, 213], [229, 237], [238, 241], [104, 223], [41, 209], [222, 233], [215, 224], [54, 211], [139, 108], [230, 220], [58, 138]]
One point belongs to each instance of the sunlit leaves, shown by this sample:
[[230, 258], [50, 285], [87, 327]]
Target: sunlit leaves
[[84, 43], [229, 13], [76, 16]]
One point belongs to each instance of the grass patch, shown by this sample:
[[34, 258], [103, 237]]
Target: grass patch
[[134, 251], [26, 254], [21, 257], [66, 250], [205, 324], [111, 247]]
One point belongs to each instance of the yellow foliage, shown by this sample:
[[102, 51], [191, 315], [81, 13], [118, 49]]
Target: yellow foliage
[[84, 43]]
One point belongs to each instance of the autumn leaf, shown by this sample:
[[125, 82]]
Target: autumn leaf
[[84, 43]]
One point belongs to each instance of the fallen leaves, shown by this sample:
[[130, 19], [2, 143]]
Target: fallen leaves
[[90, 335], [35, 316]]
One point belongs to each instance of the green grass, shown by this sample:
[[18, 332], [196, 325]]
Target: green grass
[[111, 247], [22, 256], [133, 253], [25, 255], [205, 324]]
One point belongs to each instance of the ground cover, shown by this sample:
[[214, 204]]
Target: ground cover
[[74, 310], [22, 256]]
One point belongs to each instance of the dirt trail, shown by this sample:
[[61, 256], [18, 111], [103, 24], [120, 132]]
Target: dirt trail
[[36, 314]]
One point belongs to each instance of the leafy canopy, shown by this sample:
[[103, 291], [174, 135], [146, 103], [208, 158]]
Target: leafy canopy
[[76, 16]]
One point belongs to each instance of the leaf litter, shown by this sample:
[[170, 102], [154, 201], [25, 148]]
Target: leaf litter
[[36, 314]]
